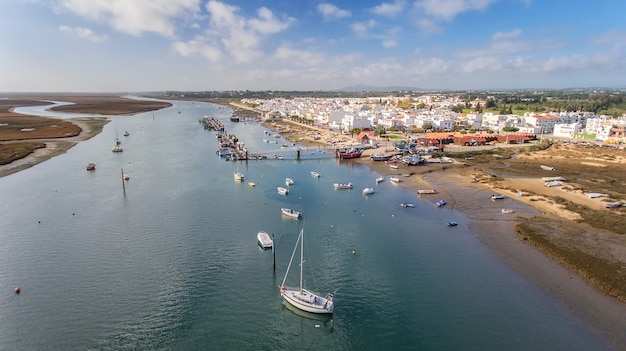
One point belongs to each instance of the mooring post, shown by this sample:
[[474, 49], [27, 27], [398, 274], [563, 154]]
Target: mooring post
[[298, 154]]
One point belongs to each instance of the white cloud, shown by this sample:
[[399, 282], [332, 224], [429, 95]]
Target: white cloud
[[331, 12], [361, 29], [134, 17], [83, 33], [447, 10], [228, 32], [506, 35], [389, 43], [389, 9], [291, 56]]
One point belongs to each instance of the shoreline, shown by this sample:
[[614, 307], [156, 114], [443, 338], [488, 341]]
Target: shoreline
[[603, 313]]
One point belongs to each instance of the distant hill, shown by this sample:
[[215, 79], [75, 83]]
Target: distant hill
[[362, 87]]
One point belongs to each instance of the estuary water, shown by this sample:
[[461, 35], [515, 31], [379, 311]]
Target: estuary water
[[171, 262]]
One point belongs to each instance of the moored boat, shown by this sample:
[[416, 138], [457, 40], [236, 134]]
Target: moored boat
[[343, 185], [282, 191], [452, 224], [288, 181], [427, 191], [91, 166], [264, 240], [291, 213], [407, 205], [497, 197], [315, 174], [507, 210], [380, 179], [381, 157], [301, 298], [351, 153], [368, 191], [239, 176], [440, 203], [395, 179]]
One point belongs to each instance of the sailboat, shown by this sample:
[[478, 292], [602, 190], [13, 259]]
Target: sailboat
[[118, 144], [300, 297]]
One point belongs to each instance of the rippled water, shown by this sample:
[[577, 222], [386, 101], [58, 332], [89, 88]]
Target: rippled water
[[172, 263]]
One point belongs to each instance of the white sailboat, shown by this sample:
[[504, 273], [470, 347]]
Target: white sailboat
[[300, 297]]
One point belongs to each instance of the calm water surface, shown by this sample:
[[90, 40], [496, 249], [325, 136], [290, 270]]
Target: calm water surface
[[172, 262]]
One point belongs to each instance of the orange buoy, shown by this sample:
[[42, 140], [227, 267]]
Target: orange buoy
[[17, 290]]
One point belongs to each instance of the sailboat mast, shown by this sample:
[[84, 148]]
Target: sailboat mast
[[301, 255]]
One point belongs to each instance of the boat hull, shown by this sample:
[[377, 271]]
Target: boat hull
[[308, 301], [349, 154]]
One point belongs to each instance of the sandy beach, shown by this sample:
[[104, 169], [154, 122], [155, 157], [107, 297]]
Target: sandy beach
[[604, 313]]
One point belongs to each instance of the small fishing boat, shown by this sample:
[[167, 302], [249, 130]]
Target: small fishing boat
[[343, 185], [497, 197], [452, 224], [264, 240], [251, 184], [395, 180], [407, 205], [288, 181], [291, 213], [440, 203], [368, 191], [126, 133], [315, 174], [239, 176], [380, 179], [282, 191], [507, 210], [91, 166]]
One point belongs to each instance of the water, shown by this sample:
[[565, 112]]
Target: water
[[172, 262]]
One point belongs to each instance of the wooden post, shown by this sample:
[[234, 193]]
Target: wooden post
[[123, 184], [298, 154]]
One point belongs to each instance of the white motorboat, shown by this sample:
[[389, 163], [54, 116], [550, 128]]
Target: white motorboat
[[239, 176], [343, 185], [380, 179], [301, 298], [288, 181], [282, 191], [507, 210], [264, 240], [315, 174], [291, 213], [497, 197], [407, 205], [395, 180], [368, 191]]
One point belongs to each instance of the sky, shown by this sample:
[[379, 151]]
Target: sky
[[200, 45]]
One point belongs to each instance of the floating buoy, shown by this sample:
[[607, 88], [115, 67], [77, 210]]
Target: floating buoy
[[17, 290], [354, 252]]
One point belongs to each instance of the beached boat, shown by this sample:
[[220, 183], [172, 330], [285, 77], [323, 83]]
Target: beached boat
[[452, 224], [394, 166], [381, 157], [554, 183], [282, 191], [614, 204], [315, 174], [440, 203], [380, 179], [426, 191], [395, 179], [91, 166], [288, 181], [407, 205], [264, 240], [291, 213], [351, 153], [301, 298], [368, 191], [239, 176], [497, 197], [343, 185], [547, 168], [507, 210]]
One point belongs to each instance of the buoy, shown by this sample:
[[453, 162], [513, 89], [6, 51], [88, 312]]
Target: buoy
[[317, 326], [354, 252], [17, 290]]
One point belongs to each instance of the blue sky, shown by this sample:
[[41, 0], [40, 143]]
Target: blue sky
[[152, 45]]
